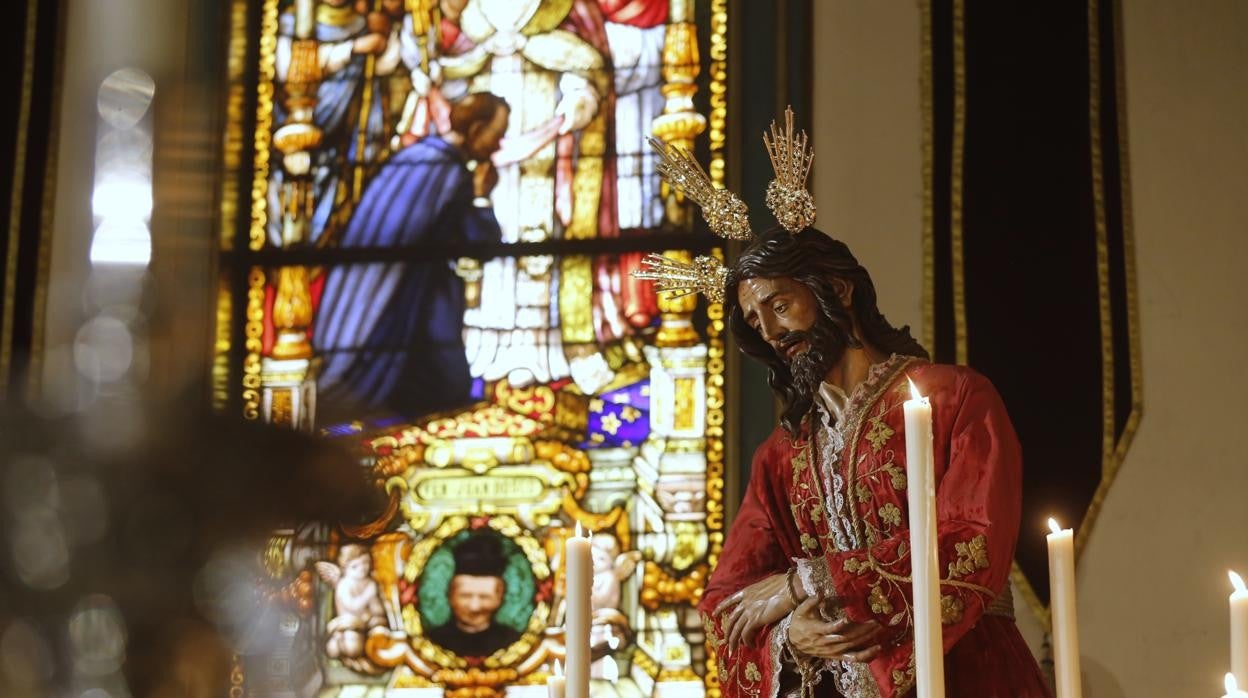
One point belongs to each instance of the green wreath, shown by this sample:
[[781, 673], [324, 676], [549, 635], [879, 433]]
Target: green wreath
[[435, 580]]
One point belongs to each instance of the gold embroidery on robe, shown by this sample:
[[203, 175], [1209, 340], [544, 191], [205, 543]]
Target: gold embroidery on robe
[[951, 609], [879, 602], [880, 433], [896, 475], [890, 514], [971, 556]]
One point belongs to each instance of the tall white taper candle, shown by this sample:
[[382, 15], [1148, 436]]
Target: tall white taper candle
[[1239, 629], [929, 656], [1062, 610], [556, 685], [579, 578]]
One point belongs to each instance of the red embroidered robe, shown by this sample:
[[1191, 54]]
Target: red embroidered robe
[[832, 502]]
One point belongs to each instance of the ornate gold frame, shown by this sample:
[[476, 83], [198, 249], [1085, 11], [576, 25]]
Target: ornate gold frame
[[506, 657]]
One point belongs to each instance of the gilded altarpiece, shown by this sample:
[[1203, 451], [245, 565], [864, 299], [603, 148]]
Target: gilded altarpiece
[[500, 390]]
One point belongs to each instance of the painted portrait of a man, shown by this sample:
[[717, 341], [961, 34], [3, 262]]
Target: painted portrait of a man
[[476, 592]]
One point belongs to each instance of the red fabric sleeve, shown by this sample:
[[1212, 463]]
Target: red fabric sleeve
[[756, 548], [978, 499]]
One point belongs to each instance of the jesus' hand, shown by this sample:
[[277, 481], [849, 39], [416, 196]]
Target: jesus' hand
[[811, 635], [761, 603]]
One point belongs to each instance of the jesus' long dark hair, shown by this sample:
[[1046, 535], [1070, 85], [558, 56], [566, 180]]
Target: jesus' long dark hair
[[814, 259]]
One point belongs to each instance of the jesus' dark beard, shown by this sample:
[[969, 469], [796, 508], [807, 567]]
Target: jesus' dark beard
[[826, 342]]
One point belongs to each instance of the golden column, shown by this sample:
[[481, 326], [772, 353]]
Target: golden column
[[679, 124], [674, 455], [287, 392]]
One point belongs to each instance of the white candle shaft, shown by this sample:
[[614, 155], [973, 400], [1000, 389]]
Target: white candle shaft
[[1062, 612], [1239, 637], [579, 578], [929, 657], [555, 687], [305, 19]]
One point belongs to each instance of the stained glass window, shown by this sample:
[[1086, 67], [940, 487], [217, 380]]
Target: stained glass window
[[429, 226]]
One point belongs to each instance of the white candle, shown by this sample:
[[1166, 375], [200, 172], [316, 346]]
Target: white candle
[[578, 577], [929, 656], [1062, 610], [305, 19], [1232, 688], [555, 683], [1239, 629]]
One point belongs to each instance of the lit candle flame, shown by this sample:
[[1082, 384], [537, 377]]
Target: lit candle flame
[[914, 390], [1237, 582], [578, 529], [558, 669], [1231, 686], [1054, 526]]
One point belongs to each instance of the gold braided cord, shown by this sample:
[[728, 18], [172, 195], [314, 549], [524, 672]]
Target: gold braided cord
[[725, 213], [791, 158], [705, 275]]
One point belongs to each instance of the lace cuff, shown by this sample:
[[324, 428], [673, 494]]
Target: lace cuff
[[852, 679], [801, 673], [815, 578]]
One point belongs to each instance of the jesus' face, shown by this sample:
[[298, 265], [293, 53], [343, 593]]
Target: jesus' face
[[787, 315], [779, 310]]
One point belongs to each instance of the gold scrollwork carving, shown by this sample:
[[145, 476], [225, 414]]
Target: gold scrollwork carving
[[479, 453], [305, 67], [299, 594], [496, 669], [282, 408], [686, 403], [475, 683], [296, 137], [646, 663], [598, 522], [571, 416], [674, 675], [535, 401], [274, 557], [253, 333], [264, 128], [532, 492], [563, 456], [659, 587], [221, 345], [690, 544], [398, 461], [238, 678], [717, 135], [576, 295]]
